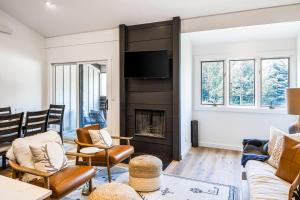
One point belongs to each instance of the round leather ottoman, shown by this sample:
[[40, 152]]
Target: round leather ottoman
[[145, 173], [114, 191]]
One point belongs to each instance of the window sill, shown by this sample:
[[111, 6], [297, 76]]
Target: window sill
[[245, 109]]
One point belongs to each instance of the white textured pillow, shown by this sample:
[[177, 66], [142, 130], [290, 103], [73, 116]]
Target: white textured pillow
[[274, 133], [101, 137], [22, 153], [276, 152], [49, 157], [278, 148]]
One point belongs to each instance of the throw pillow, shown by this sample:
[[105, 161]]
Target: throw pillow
[[49, 158], [276, 148], [289, 164], [274, 133], [22, 154], [101, 137], [276, 152]]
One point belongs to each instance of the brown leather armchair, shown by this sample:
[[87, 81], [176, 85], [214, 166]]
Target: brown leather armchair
[[62, 182], [110, 156]]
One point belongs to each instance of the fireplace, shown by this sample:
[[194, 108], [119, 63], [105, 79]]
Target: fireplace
[[150, 123]]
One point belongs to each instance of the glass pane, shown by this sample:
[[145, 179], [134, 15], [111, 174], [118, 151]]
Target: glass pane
[[275, 80], [242, 80], [103, 84], [73, 98], [67, 96], [96, 95], [212, 83], [91, 88], [59, 81]]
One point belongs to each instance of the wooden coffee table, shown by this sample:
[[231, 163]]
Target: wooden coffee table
[[15, 189]]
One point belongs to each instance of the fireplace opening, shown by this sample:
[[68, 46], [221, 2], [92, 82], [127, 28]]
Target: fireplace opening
[[150, 123]]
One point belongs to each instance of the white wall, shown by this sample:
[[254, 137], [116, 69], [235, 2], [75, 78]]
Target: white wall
[[186, 94], [243, 18], [227, 129], [22, 67], [91, 46]]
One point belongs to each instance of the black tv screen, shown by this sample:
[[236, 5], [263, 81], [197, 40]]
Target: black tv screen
[[147, 64]]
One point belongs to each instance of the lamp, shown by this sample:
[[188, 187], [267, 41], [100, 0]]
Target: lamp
[[293, 107]]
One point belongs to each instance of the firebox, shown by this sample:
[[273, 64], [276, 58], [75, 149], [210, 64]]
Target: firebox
[[150, 123]]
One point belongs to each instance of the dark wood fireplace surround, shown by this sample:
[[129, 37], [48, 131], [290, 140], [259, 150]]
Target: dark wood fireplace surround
[[152, 94]]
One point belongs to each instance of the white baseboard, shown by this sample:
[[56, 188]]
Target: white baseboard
[[220, 146], [186, 151]]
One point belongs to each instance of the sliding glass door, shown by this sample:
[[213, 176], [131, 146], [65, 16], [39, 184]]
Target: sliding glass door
[[93, 104], [65, 93], [82, 88]]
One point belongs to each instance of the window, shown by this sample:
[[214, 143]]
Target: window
[[242, 79], [212, 82], [274, 81]]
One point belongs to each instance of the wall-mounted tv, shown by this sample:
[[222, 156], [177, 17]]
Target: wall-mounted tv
[[147, 64]]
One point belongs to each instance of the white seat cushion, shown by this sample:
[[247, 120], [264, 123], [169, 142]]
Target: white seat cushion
[[263, 184]]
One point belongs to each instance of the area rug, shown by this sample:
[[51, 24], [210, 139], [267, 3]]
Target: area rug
[[173, 188]]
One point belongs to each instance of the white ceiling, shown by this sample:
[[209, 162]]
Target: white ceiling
[[246, 34], [75, 16]]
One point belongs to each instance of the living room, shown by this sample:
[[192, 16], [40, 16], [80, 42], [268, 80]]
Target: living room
[[143, 77]]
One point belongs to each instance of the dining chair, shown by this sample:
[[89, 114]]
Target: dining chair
[[5, 111], [36, 122], [56, 117], [10, 129]]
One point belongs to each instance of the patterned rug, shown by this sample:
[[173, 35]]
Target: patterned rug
[[173, 188]]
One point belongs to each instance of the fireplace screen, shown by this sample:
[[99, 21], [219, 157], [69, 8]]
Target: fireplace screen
[[150, 123]]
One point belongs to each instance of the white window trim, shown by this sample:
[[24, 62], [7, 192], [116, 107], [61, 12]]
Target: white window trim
[[245, 109]]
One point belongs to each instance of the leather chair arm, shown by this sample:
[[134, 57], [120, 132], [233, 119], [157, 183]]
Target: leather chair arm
[[123, 138], [83, 155], [92, 145], [23, 169]]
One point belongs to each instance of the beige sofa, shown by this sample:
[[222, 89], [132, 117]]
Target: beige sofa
[[263, 184]]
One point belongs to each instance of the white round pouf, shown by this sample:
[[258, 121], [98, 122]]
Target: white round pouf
[[145, 173], [114, 191]]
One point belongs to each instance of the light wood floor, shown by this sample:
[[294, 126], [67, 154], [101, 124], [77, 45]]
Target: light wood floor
[[212, 165], [208, 164]]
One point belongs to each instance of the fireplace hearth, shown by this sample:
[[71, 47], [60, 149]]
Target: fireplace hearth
[[150, 123]]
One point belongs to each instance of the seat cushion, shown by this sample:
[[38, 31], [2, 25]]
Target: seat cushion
[[263, 183], [70, 178], [116, 154]]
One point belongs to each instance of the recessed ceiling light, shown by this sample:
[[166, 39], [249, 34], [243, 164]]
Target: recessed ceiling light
[[49, 4]]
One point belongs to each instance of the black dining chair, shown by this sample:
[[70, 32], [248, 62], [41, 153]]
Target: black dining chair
[[56, 117], [10, 129], [36, 122], [5, 111]]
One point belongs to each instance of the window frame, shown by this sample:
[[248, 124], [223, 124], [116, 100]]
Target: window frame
[[254, 83], [201, 85], [261, 85]]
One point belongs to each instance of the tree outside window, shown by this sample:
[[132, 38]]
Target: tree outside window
[[212, 82], [274, 81], [242, 82]]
